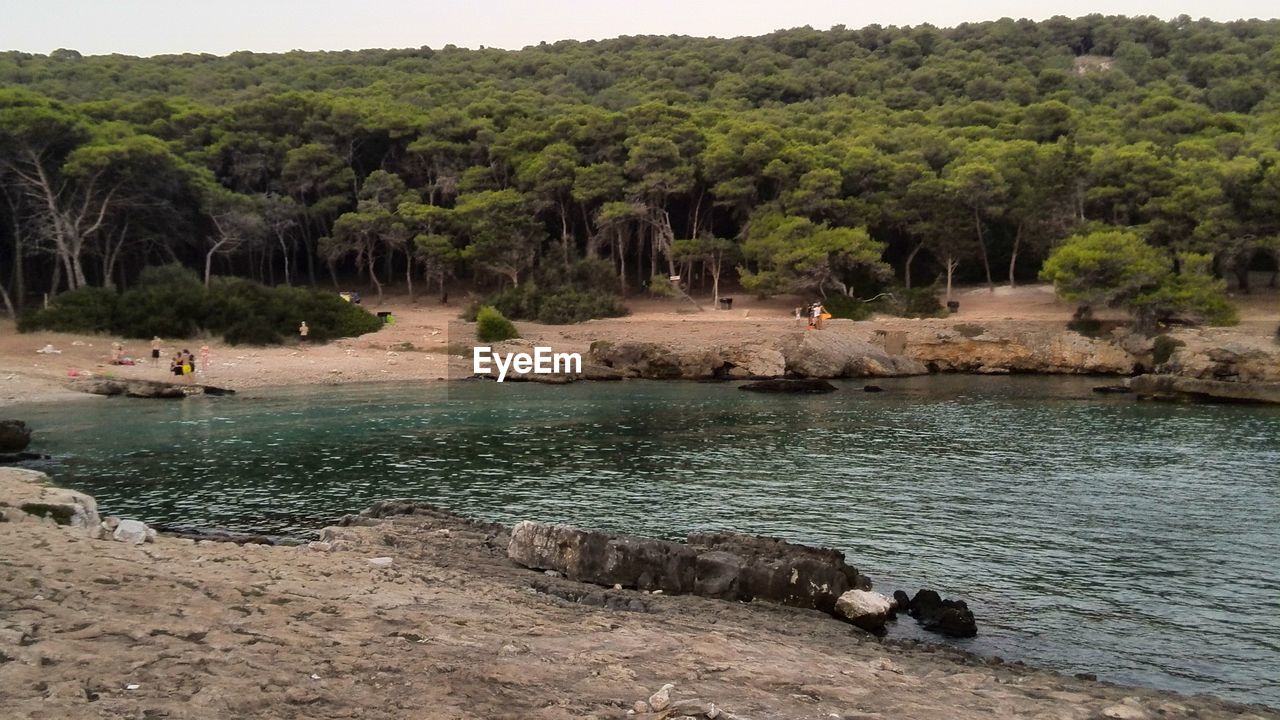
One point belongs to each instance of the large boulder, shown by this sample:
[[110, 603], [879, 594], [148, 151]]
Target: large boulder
[[1189, 389], [726, 566], [15, 436], [831, 353], [133, 532], [26, 494], [868, 610]]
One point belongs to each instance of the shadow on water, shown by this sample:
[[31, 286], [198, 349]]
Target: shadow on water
[[1089, 533]]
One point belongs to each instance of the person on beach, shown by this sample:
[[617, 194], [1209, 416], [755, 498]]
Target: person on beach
[[204, 359], [155, 350], [812, 311], [175, 364], [117, 354], [819, 314], [303, 332]]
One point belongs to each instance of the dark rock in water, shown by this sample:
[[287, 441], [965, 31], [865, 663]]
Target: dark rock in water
[[807, 387], [727, 566], [948, 617], [10, 458], [15, 436], [1112, 389], [872, 388], [901, 601]]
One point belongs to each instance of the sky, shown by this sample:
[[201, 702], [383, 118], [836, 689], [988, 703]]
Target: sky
[[149, 27]]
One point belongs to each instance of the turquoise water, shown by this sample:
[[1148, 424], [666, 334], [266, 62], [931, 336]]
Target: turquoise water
[[1088, 533]]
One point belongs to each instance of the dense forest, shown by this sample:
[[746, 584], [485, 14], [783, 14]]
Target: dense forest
[[835, 162]]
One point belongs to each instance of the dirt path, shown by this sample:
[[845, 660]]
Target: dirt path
[[451, 629]]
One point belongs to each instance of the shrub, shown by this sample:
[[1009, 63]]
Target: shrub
[[1163, 348], [557, 296], [168, 300], [491, 326], [848, 308], [172, 302], [89, 310], [661, 286], [568, 305]]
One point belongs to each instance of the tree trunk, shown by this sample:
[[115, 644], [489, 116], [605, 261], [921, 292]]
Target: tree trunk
[[715, 283], [374, 277], [1013, 258], [982, 247], [952, 264], [564, 234], [8, 304], [408, 272], [910, 259]]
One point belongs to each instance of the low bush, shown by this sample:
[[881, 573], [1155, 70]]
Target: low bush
[[492, 326], [848, 308], [88, 310], [559, 296], [170, 301]]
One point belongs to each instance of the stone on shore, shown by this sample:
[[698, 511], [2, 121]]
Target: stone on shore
[[133, 532], [1189, 389], [865, 609], [15, 436]]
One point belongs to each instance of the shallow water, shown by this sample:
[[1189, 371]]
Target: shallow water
[[1089, 534]]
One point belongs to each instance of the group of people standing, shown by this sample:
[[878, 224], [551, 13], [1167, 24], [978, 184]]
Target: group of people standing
[[183, 362], [816, 314]]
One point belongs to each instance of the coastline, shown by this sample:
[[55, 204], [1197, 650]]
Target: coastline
[[1019, 330], [450, 628]]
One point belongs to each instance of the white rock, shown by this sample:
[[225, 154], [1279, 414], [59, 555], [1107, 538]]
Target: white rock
[[134, 532], [319, 546], [1125, 712], [380, 561], [661, 699], [868, 610]]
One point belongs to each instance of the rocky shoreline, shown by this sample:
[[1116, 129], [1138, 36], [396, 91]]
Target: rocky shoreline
[[404, 611]]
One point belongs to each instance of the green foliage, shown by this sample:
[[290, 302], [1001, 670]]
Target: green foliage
[[1120, 269], [847, 308], [88, 310], [492, 326], [953, 152], [170, 301], [560, 297], [661, 286]]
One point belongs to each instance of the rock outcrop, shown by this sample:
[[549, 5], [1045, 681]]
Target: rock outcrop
[[15, 436], [25, 494], [1026, 348], [726, 566], [782, 385], [832, 354], [1177, 388], [144, 388], [1208, 355]]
